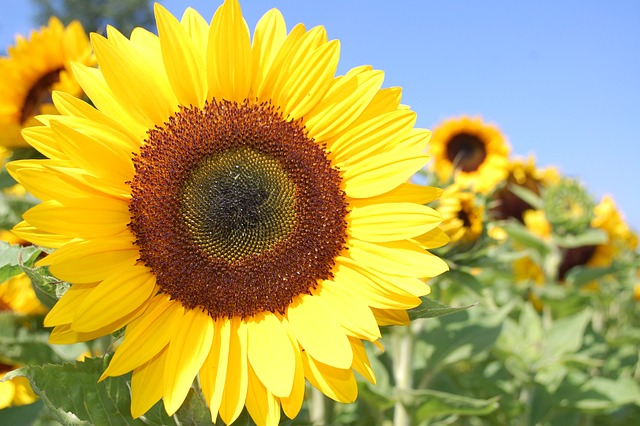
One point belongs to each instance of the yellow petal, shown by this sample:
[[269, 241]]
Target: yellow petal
[[314, 327], [147, 337], [234, 394], [91, 261], [397, 258], [309, 81], [349, 277], [213, 373], [198, 30], [405, 193], [381, 173], [373, 137], [391, 316], [114, 298], [36, 236], [292, 404], [182, 59], [94, 217], [146, 384], [268, 37], [64, 309], [97, 89], [263, 407], [361, 360], [355, 316], [136, 84], [188, 349], [336, 383], [229, 58], [392, 221], [432, 239], [270, 354], [343, 103]]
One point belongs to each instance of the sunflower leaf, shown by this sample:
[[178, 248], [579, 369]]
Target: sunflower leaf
[[527, 195], [74, 397], [430, 309], [590, 237], [12, 257], [47, 287], [23, 340], [434, 403]]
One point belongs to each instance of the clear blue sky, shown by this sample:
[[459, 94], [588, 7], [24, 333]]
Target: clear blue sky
[[561, 79]]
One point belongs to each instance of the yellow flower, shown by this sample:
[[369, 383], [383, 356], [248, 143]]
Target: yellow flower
[[523, 173], [619, 236], [471, 151], [16, 391], [462, 215], [262, 228], [17, 295], [32, 70]]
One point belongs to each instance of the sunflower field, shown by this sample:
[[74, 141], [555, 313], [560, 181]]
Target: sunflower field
[[205, 224]]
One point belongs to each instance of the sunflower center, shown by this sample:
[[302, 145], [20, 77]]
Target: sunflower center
[[466, 152], [235, 210], [39, 94], [238, 203]]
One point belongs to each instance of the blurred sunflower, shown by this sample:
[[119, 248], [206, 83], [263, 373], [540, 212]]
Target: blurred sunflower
[[620, 237], [34, 68], [261, 230], [525, 268], [17, 295], [462, 214], [473, 152], [525, 174]]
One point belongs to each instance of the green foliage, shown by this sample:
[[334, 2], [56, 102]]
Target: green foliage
[[74, 397], [95, 15]]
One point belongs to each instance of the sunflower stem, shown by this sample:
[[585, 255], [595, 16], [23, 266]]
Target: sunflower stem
[[321, 409], [403, 373]]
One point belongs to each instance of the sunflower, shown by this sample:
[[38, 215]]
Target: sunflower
[[33, 69], [471, 151], [17, 295], [462, 214], [620, 237], [244, 213], [525, 174]]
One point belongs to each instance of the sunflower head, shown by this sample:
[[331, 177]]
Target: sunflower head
[[462, 214], [222, 196], [568, 207], [620, 237], [473, 152], [525, 174], [33, 69]]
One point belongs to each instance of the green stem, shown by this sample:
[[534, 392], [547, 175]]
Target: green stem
[[403, 372], [321, 408]]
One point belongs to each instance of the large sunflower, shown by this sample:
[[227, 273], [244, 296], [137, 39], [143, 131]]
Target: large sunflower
[[34, 68], [244, 213], [470, 151]]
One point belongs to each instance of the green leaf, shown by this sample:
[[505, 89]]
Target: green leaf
[[24, 415], [432, 403], [528, 196], [522, 235], [74, 397], [12, 257], [47, 287], [566, 334], [23, 340], [430, 309], [580, 275], [590, 237]]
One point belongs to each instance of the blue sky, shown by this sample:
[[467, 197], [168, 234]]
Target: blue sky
[[560, 79]]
